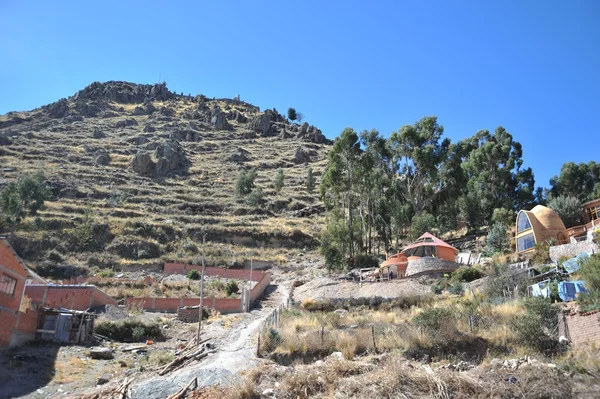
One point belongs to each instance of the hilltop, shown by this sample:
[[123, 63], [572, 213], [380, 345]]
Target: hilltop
[[137, 172]]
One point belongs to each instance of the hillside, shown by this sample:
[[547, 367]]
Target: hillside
[[137, 172]]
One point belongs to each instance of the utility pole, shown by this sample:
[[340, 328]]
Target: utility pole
[[201, 289]]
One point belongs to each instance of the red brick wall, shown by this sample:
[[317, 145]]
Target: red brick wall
[[70, 297], [242, 274], [582, 327], [225, 305], [7, 323], [11, 266], [28, 321], [259, 288]]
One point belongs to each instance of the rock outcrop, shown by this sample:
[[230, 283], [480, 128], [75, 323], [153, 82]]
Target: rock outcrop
[[124, 92], [304, 155], [240, 156], [169, 158]]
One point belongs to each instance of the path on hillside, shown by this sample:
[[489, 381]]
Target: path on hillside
[[236, 351]]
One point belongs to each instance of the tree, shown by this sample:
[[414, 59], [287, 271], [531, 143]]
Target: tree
[[255, 198], [299, 117], [292, 114], [310, 181], [421, 224], [497, 241], [244, 183], [577, 180], [279, 180], [418, 152], [504, 216], [568, 208], [21, 198]]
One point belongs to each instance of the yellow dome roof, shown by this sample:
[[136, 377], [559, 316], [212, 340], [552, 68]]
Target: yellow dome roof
[[548, 218]]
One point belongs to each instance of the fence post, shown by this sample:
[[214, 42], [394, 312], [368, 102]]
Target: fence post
[[373, 334], [322, 333], [258, 345]]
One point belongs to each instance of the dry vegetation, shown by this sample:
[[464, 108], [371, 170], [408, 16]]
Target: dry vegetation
[[159, 219]]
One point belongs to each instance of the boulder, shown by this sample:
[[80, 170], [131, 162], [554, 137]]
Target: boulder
[[90, 109], [262, 123], [303, 155], [240, 156], [218, 120], [4, 140], [98, 134], [101, 353], [149, 129], [103, 379], [126, 123], [138, 140], [57, 109], [171, 158], [143, 164], [103, 159]]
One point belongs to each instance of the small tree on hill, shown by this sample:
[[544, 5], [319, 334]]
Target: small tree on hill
[[244, 183], [292, 114], [22, 198], [299, 117], [497, 241], [279, 180], [310, 181]]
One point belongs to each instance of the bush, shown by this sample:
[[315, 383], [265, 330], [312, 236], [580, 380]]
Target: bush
[[106, 273], [232, 288], [364, 261], [439, 285], [433, 320], [193, 274], [537, 328], [279, 180], [456, 288], [310, 181], [466, 274], [128, 330], [590, 273], [497, 241], [244, 183], [255, 198], [503, 283], [60, 272], [55, 256]]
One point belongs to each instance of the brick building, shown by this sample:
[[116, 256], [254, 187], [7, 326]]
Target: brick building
[[14, 324]]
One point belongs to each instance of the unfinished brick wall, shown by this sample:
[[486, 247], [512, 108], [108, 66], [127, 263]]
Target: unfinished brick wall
[[75, 297], [580, 327], [224, 305], [259, 288], [241, 274]]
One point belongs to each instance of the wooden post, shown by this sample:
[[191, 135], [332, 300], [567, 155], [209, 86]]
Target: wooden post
[[373, 334], [258, 345], [201, 289], [322, 333]]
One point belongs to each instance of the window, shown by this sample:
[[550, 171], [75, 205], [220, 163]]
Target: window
[[526, 242], [523, 222], [8, 285], [595, 212]]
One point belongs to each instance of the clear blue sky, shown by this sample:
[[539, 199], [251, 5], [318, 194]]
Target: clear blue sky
[[531, 66]]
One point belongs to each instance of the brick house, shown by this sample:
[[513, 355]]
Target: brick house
[[13, 275]]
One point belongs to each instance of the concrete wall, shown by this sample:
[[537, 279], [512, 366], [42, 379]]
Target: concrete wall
[[572, 250], [421, 266]]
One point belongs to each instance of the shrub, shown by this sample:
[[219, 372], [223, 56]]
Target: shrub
[[244, 183], [455, 288], [255, 198], [232, 288], [466, 274], [439, 285], [60, 271], [292, 115], [55, 256], [504, 216], [541, 254], [279, 180], [190, 246], [364, 261], [193, 274], [433, 320], [106, 273], [590, 273], [504, 283], [497, 241], [310, 181], [128, 330], [537, 328]]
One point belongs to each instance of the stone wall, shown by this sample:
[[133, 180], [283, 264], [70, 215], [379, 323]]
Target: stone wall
[[572, 250], [423, 266]]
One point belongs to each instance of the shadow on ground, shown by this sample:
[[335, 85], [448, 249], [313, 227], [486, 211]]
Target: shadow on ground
[[26, 369]]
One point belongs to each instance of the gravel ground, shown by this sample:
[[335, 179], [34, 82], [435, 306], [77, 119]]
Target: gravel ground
[[329, 288]]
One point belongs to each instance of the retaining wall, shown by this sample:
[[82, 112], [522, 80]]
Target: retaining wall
[[418, 267], [573, 249]]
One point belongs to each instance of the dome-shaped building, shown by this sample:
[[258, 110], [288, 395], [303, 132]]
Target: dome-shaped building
[[539, 225]]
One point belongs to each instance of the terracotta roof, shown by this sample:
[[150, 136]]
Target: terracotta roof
[[428, 239]]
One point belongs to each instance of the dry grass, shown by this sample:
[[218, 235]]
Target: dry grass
[[70, 370]]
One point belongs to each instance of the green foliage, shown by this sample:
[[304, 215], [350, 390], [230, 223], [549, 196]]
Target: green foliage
[[310, 181], [55, 256], [439, 285], [537, 328], [244, 183], [60, 272], [541, 254], [292, 115], [502, 283], [279, 180], [23, 197], [504, 216], [590, 274], [106, 273], [456, 288], [232, 288], [255, 198], [433, 320], [466, 274], [190, 246], [128, 330], [193, 274], [577, 180], [497, 239], [568, 208], [365, 261], [470, 210], [83, 233], [421, 224]]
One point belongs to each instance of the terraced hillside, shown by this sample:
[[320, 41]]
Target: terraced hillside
[[138, 172]]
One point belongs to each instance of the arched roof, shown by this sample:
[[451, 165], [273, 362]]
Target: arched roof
[[429, 239], [547, 218]]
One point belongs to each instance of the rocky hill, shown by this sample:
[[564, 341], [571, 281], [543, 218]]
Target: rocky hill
[[137, 172]]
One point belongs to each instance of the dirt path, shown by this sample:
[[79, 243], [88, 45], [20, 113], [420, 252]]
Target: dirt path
[[236, 351]]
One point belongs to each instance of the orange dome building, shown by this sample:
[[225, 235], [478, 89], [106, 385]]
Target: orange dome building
[[539, 225]]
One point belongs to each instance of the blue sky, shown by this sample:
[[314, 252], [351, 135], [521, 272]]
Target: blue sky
[[531, 66]]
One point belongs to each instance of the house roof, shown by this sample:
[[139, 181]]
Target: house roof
[[30, 273], [428, 239]]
